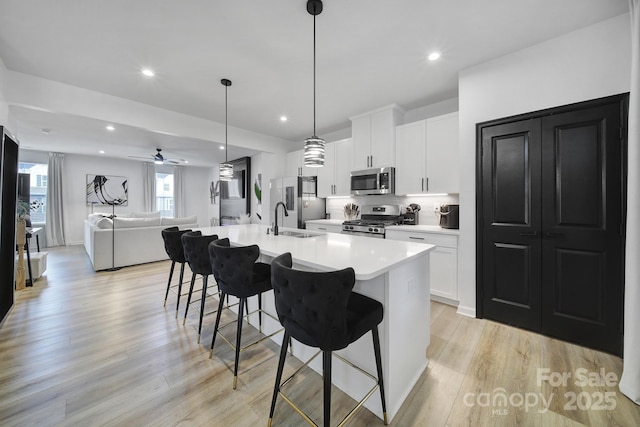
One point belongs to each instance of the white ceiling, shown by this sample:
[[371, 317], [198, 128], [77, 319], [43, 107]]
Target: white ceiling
[[370, 53]]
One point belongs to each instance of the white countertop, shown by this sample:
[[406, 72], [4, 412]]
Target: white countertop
[[325, 221], [424, 229], [327, 251]]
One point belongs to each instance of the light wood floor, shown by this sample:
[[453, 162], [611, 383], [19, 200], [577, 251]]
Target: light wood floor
[[84, 348]]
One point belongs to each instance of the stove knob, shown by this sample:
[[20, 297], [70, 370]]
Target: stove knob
[[375, 229], [370, 229], [351, 227]]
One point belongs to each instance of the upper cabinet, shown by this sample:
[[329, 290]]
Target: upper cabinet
[[373, 136], [296, 167], [427, 156], [334, 177]]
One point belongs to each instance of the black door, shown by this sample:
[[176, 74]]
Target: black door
[[582, 245], [511, 223], [550, 241]]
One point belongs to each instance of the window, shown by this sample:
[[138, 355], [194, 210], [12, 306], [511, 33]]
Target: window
[[164, 193], [37, 189]]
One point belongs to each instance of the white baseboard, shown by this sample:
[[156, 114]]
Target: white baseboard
[[467, 311]]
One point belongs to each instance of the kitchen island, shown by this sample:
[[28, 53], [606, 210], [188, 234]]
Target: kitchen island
[[393, 272]]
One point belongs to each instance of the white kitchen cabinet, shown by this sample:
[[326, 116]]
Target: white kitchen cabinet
[[373, 136], [442, 154], [334, 177], [411, 140], [329, 228], [443, 262], [427, 156], [295, 165]]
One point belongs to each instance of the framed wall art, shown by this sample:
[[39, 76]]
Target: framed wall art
[[107, 190]]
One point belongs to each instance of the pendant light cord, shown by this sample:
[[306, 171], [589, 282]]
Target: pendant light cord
[[226, 132], [314, 76]]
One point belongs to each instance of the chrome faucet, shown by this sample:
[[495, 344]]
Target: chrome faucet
[[275, 227]]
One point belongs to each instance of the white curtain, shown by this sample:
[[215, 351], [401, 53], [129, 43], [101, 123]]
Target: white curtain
[[179, 202], [149, 187], [54, 229], [630, 382]]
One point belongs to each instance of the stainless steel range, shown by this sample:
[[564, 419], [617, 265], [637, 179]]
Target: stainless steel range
[[373, 220]]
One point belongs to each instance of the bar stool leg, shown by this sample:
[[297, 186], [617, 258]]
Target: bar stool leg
[[260, 312], [215, 329], [166, 294], [243, 301], [202, 301], [376, 350], [276, 388], [186, 310], [326, 379], [179, 288]]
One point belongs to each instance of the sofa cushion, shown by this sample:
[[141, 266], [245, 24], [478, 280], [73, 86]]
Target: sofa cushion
[[155, 214], [179, 221], [136, 222], [104, 223], [121, 215], [94, 218]]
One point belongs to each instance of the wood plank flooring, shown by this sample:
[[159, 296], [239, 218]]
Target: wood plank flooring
[[83, 349]]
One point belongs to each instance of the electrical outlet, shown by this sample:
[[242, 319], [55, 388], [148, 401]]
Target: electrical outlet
[[436, 208]]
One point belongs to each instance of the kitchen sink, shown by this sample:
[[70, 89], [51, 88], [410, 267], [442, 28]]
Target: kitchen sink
[[299, 234]]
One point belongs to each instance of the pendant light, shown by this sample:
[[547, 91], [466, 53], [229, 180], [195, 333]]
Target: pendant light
[[314, 146], [226, 168]]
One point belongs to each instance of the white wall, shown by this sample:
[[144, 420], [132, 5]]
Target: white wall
[[589, 63], [76, 169], [4, 107]]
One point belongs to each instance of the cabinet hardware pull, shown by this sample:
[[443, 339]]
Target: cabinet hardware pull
[[416, 238], [427, 183], [553, 235], [322, 228], [422, 187], [532, 233]]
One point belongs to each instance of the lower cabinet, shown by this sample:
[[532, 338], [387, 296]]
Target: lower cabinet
[[443, 261]]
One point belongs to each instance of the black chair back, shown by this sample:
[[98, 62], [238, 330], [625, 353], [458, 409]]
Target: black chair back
[[172, 237], [312, 306], [196, 251], [233, 267]]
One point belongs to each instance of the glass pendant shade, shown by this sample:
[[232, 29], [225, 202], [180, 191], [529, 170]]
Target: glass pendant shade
[[314, 152], [226, 171]]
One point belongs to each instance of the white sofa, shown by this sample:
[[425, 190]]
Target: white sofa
[[137, 239]]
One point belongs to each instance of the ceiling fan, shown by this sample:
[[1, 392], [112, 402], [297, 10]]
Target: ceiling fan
[[159, 159]]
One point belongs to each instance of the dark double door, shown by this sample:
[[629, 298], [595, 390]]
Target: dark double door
[[550, 222]]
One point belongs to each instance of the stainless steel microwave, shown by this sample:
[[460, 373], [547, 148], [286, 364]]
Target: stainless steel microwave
[[373, 181]]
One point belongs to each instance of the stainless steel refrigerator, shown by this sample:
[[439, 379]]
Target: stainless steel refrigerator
[[299, 194]]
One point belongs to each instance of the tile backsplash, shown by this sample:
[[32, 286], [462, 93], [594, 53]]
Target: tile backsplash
[[427, 215]]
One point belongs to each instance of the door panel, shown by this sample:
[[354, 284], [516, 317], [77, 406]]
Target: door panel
[[511, 223], [582, 250]]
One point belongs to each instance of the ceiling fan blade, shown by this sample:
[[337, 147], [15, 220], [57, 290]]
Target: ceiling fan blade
[[142, 158]]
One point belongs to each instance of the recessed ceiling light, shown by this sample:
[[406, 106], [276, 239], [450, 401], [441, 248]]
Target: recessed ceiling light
[[222, 147], [110, 128], [283, 118], [186, 161], [433, 56], [101, 151], [148, 72], [46, 131]]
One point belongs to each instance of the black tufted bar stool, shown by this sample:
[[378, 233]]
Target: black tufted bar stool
[[197, 255], [320, 310], [172, 238], [238, 274]]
